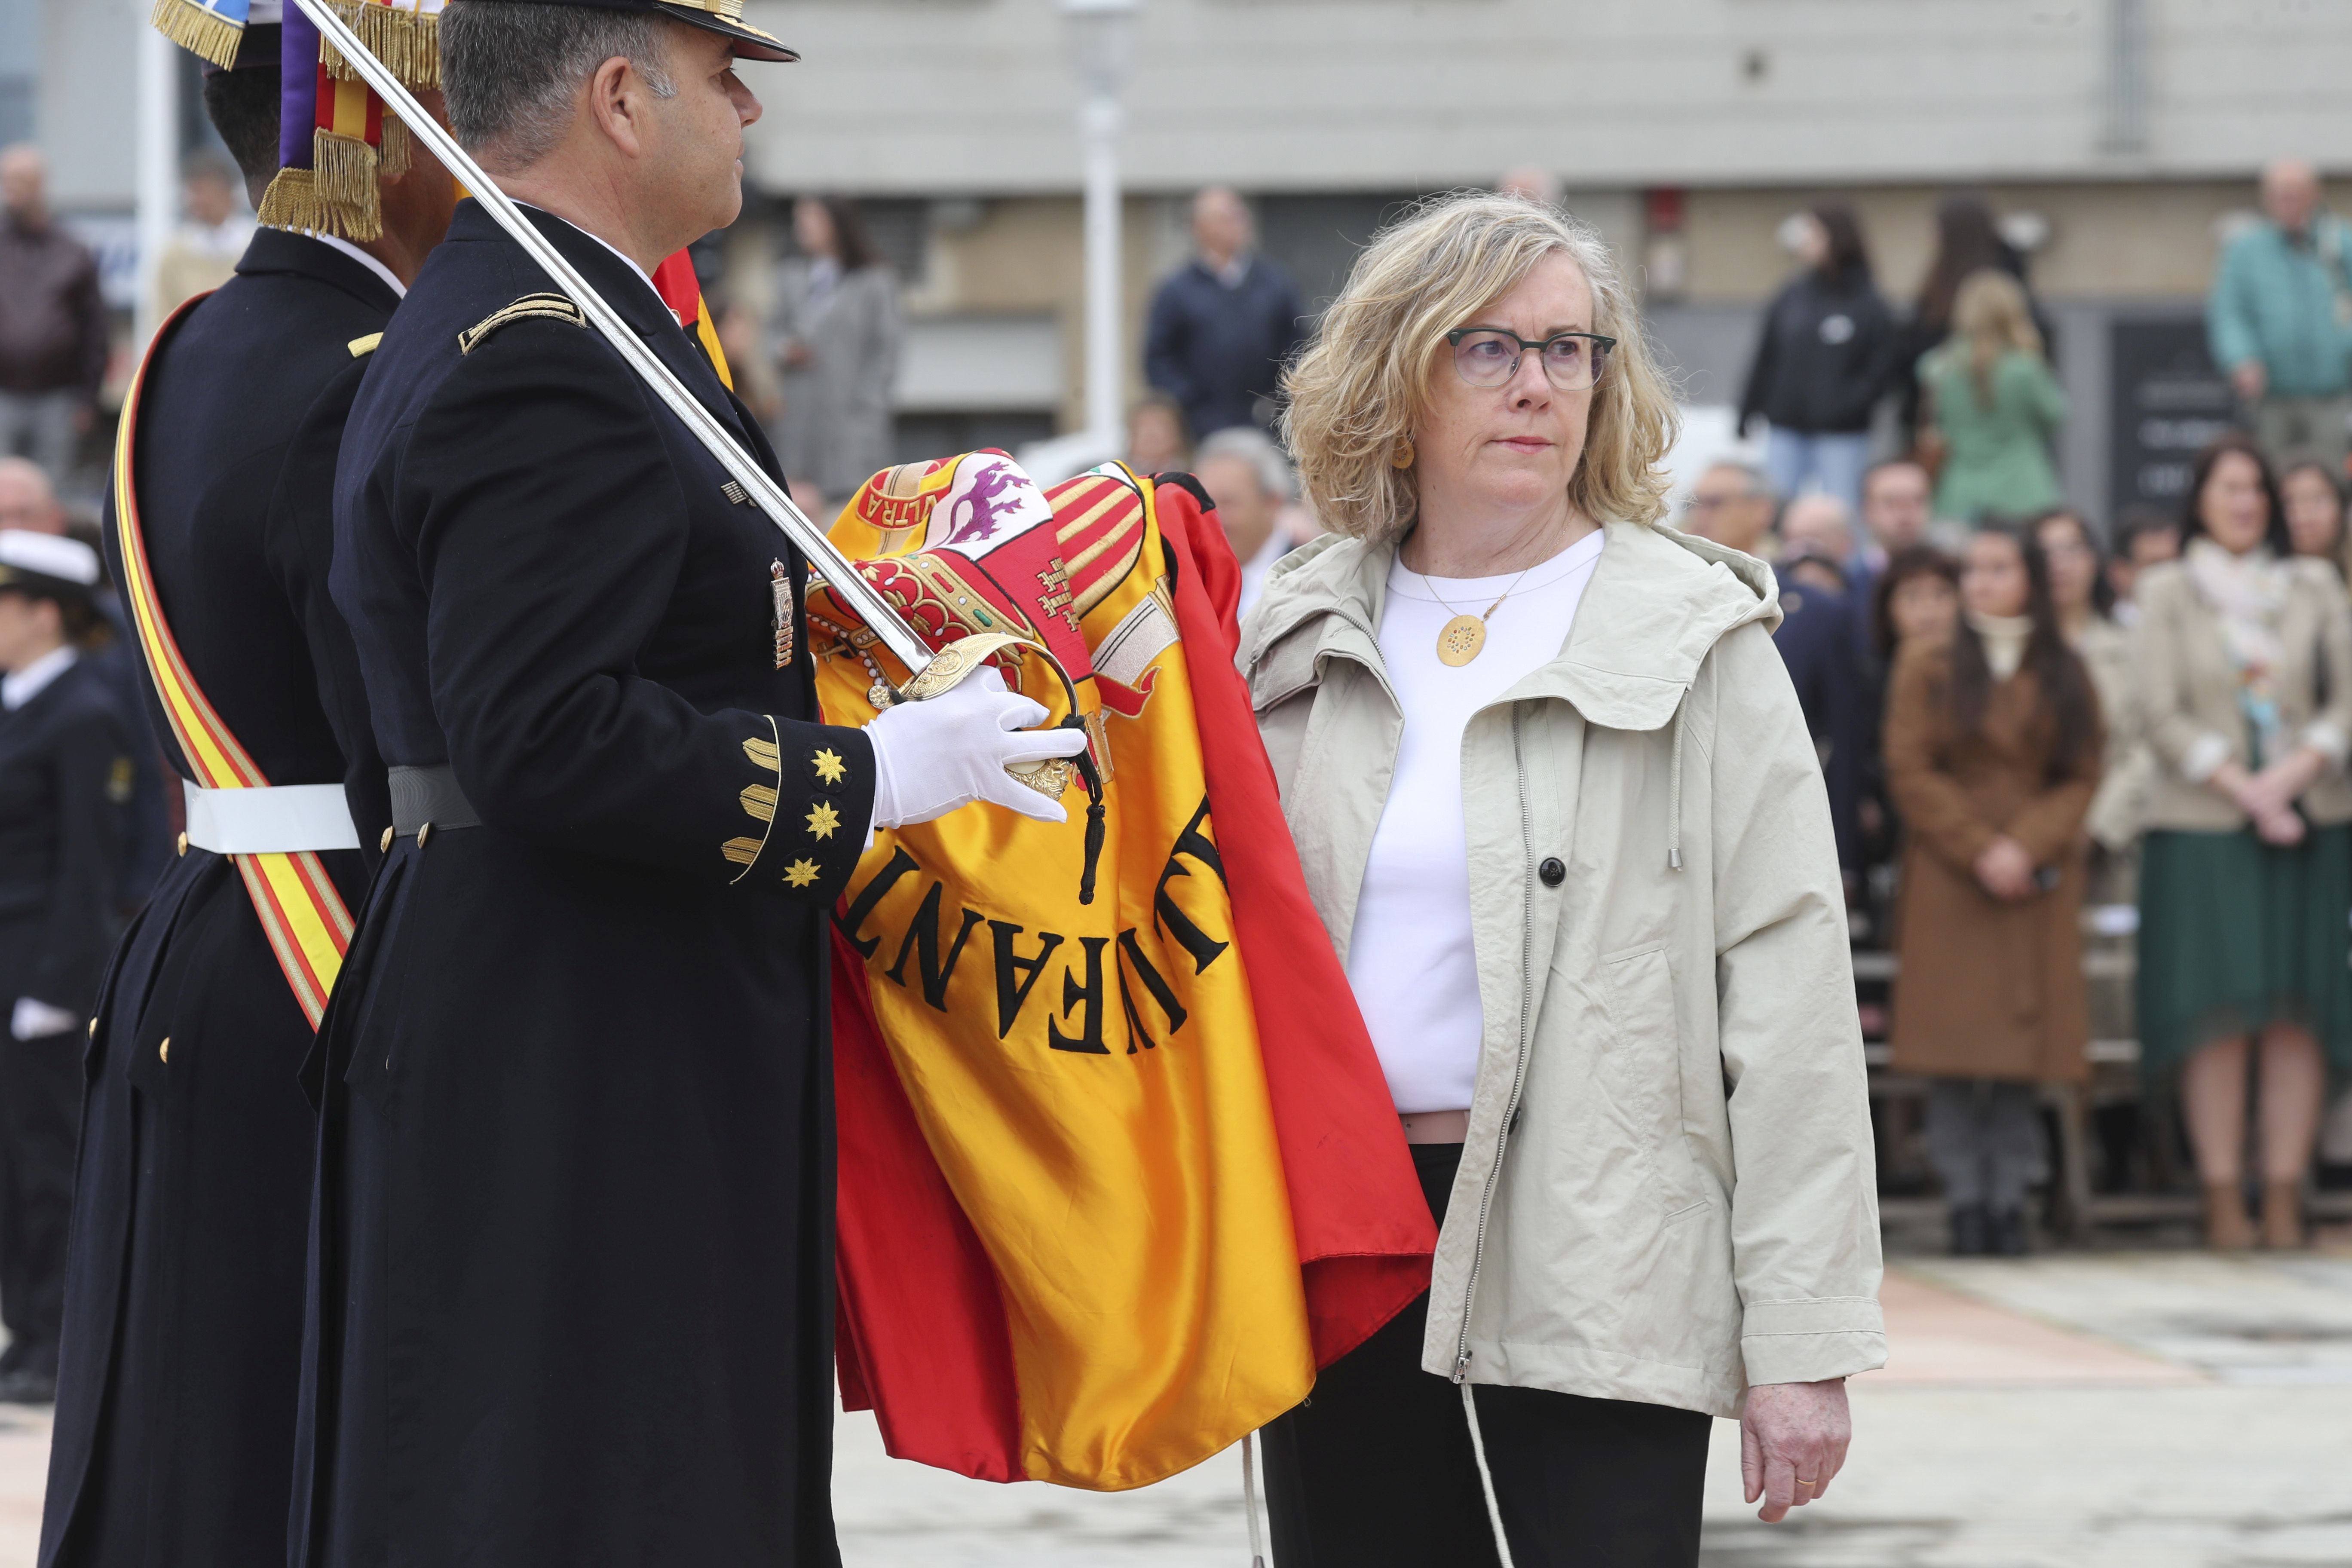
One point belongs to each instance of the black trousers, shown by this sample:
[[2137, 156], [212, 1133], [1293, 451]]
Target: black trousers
[[40, 1119], [1376, 1470]]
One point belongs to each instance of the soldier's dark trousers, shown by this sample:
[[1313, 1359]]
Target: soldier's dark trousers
[[40, 1116]]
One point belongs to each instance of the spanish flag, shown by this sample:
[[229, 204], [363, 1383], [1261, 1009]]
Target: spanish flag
[[1118, 1169], [681, 290]]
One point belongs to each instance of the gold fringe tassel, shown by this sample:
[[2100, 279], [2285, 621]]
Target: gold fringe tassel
[[407, 42], [206, 33], [291, 202], [346, 174], [296, 200], [398, 153]]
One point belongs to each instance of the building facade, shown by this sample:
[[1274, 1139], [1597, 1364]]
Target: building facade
[[2126, 133]]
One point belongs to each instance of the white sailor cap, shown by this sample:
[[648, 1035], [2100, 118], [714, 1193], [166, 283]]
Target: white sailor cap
[[47, 563]]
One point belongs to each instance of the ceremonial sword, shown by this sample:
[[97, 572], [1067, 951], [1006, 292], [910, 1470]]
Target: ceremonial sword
[[879, 614]]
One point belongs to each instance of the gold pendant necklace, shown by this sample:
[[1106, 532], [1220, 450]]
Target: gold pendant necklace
[[1459, 639], [1462, 640]]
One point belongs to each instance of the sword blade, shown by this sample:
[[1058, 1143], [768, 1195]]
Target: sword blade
[[875, 611]]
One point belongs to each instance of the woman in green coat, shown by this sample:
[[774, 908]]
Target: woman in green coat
[[1995, 404]]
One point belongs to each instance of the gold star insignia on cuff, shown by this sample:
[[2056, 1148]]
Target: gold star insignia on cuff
[[801, 873], [823, 820], [829, 766]]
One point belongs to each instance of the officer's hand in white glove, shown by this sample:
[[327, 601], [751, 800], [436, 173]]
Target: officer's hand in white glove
[[932, 757]]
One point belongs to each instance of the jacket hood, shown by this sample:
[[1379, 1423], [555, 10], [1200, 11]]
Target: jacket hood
[[1659, 600]]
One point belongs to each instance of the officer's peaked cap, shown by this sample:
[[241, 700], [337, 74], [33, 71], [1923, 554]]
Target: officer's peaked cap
[[724, 16], [49, 564]]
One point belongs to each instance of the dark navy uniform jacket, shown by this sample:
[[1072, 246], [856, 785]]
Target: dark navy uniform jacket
[[184, 1289], [65, 781], [574, 1282], [1817, 642]]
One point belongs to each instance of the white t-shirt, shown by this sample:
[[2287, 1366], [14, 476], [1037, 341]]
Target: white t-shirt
[[1410, 960]]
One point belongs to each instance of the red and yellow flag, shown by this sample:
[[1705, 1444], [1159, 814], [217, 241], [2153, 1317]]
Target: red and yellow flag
[[681, 290], [1116, 1174]]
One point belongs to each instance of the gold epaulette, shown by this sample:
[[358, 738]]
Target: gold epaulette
[[556, 307]]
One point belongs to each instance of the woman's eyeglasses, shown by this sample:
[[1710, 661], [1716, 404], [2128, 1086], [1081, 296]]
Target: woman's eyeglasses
[[1489, 357]]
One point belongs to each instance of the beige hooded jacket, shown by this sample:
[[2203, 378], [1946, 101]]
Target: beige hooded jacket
[[1668, 1192]]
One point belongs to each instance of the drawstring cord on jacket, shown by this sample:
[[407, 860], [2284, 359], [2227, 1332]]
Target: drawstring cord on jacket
[[1675, 790], [1486, 1477], [1249, 1502]]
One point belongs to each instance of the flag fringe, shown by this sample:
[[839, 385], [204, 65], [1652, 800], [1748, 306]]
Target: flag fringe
[[398, 153], [407, 42], [193, 27], [294, 201], [346, 169]]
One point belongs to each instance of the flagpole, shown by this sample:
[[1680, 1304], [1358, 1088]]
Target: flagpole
[[847, 582]]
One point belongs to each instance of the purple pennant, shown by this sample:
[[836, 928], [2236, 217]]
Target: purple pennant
[[299, 89]]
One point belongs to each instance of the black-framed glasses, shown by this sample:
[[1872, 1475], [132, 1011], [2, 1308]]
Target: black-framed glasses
[[1489, 357]]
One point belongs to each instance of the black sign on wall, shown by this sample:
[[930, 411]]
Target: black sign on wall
[[2168, 402]]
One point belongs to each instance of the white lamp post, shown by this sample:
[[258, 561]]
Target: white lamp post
[[1102, 40]]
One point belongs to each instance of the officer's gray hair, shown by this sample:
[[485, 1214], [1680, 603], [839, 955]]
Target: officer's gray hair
[[512, 72]]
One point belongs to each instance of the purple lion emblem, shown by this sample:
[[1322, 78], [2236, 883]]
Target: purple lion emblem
[[998, 502]]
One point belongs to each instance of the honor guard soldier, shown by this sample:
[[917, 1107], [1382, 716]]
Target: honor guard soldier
[[575, 1272], [175, 1436], [65, 785]]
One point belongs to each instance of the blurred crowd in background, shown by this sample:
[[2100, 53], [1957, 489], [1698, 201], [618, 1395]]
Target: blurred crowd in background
[[2087, 773]]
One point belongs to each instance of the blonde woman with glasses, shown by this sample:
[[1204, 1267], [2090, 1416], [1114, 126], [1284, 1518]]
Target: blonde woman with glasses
[[1561, 815]]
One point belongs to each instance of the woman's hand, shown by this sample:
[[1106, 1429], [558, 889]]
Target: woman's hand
[[2286, 779], [2005, 868], [2268, 797], [2283, 827], [1792, 1442]]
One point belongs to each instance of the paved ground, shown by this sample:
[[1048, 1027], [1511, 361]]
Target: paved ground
[[2117, 1410], [2123, 1410]]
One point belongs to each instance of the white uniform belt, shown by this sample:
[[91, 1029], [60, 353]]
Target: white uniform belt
[[283, 819]]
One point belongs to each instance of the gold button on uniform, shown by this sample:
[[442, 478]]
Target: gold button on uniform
[[386, 847], [423, 834], [164, 1051], [183, 844]]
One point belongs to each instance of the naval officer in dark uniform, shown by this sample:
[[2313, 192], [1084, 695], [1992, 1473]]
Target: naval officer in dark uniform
[[64, 791], [575, 1272], [174, 1438]]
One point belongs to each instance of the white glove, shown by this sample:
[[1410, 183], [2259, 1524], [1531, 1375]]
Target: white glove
[[35, 1019], [932, 757]]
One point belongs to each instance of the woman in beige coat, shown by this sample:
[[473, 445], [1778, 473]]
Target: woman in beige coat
[[2085, 603], [2243, 651], [1992, 752], [1558, 808]]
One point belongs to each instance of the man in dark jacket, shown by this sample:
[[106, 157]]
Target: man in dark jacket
[[1828, 350], [1817, 642], [574, 1283], [1221, 327], [52, 321], [65, 773], [174, 1438], [1732, 505]]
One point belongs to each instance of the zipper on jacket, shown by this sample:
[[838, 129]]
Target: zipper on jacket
[[1519, 1064]]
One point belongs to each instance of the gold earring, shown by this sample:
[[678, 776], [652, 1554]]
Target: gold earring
[[1402, 457]]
